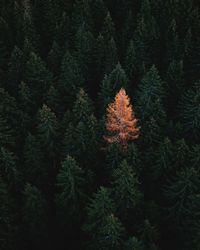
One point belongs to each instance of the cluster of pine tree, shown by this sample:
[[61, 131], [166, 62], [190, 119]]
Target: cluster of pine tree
[[61, 64]]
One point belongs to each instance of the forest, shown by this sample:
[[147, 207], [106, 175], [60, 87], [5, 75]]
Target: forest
[[99, 124]]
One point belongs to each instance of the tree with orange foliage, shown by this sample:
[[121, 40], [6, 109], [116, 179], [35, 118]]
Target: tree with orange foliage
[[121, 122]]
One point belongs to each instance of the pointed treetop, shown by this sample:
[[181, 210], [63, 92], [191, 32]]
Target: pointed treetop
[[121, 122]]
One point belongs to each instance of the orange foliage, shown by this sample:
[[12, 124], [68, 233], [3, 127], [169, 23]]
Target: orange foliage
[[121, 122]]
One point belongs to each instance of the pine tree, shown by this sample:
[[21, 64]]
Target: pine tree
[[47, 130], [181, 189], [6, 218], [111, 56], [81, 135], [189, 112], [121, 123], [84, 45], [99, 11], [108, 29], [33, 168], [109, 235], [150, 98], [70, 190], [8, 170], [6, 133], [133, 244], [100, 207], [37, 76], [149, 235], [112, 83], [164, 159], [130, 61], [15, 70], [125, 188], [54, 58], [10, 112], [34, 218], [71, 78]]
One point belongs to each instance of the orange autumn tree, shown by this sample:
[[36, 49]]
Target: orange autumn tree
[[121, 123]]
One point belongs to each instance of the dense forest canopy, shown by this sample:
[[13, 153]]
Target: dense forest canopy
[[62, 185]]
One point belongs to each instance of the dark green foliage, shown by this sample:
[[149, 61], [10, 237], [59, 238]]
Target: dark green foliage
[[109, 235], [150, 106], [6, 218], [34, 217], [6, 137], [130, 60], [34, 171], [37, 76], [71, 78], [15, 70], [133, 244], [61, 65], [47, 130], [125, 188], [8, 169], [70, 194], [100, 208], [189, 112], [111, 84]]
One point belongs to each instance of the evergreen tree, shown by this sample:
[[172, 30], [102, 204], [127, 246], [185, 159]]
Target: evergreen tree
[[71, 78], [133, 244], [15, 70], [189, 112], [34, 218], [164, 159], [109, 235], [125, 188], [8, 170], [111, 84], [111, 56], [6, 218], [37, 76], [108, 29], [33, 168], [6, 134], [47, 130], [70, 190], [150, 106], [101, 206], [54, 58], [149, 235], [130, 61]]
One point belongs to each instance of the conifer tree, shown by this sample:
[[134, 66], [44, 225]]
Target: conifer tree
[[8, 170], [121, 122], [37, 76], [133, 244], [110, 233], [100, 207], [6, 218], [112, 83], [34, 217], [6, 134], [84, 45], [111, 56], [130, 61], [47, 130], [33, 168], [70, 190], [71, 78], [15, 70], [125, 188], [108, 29], [189, 114], [150, 106]]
